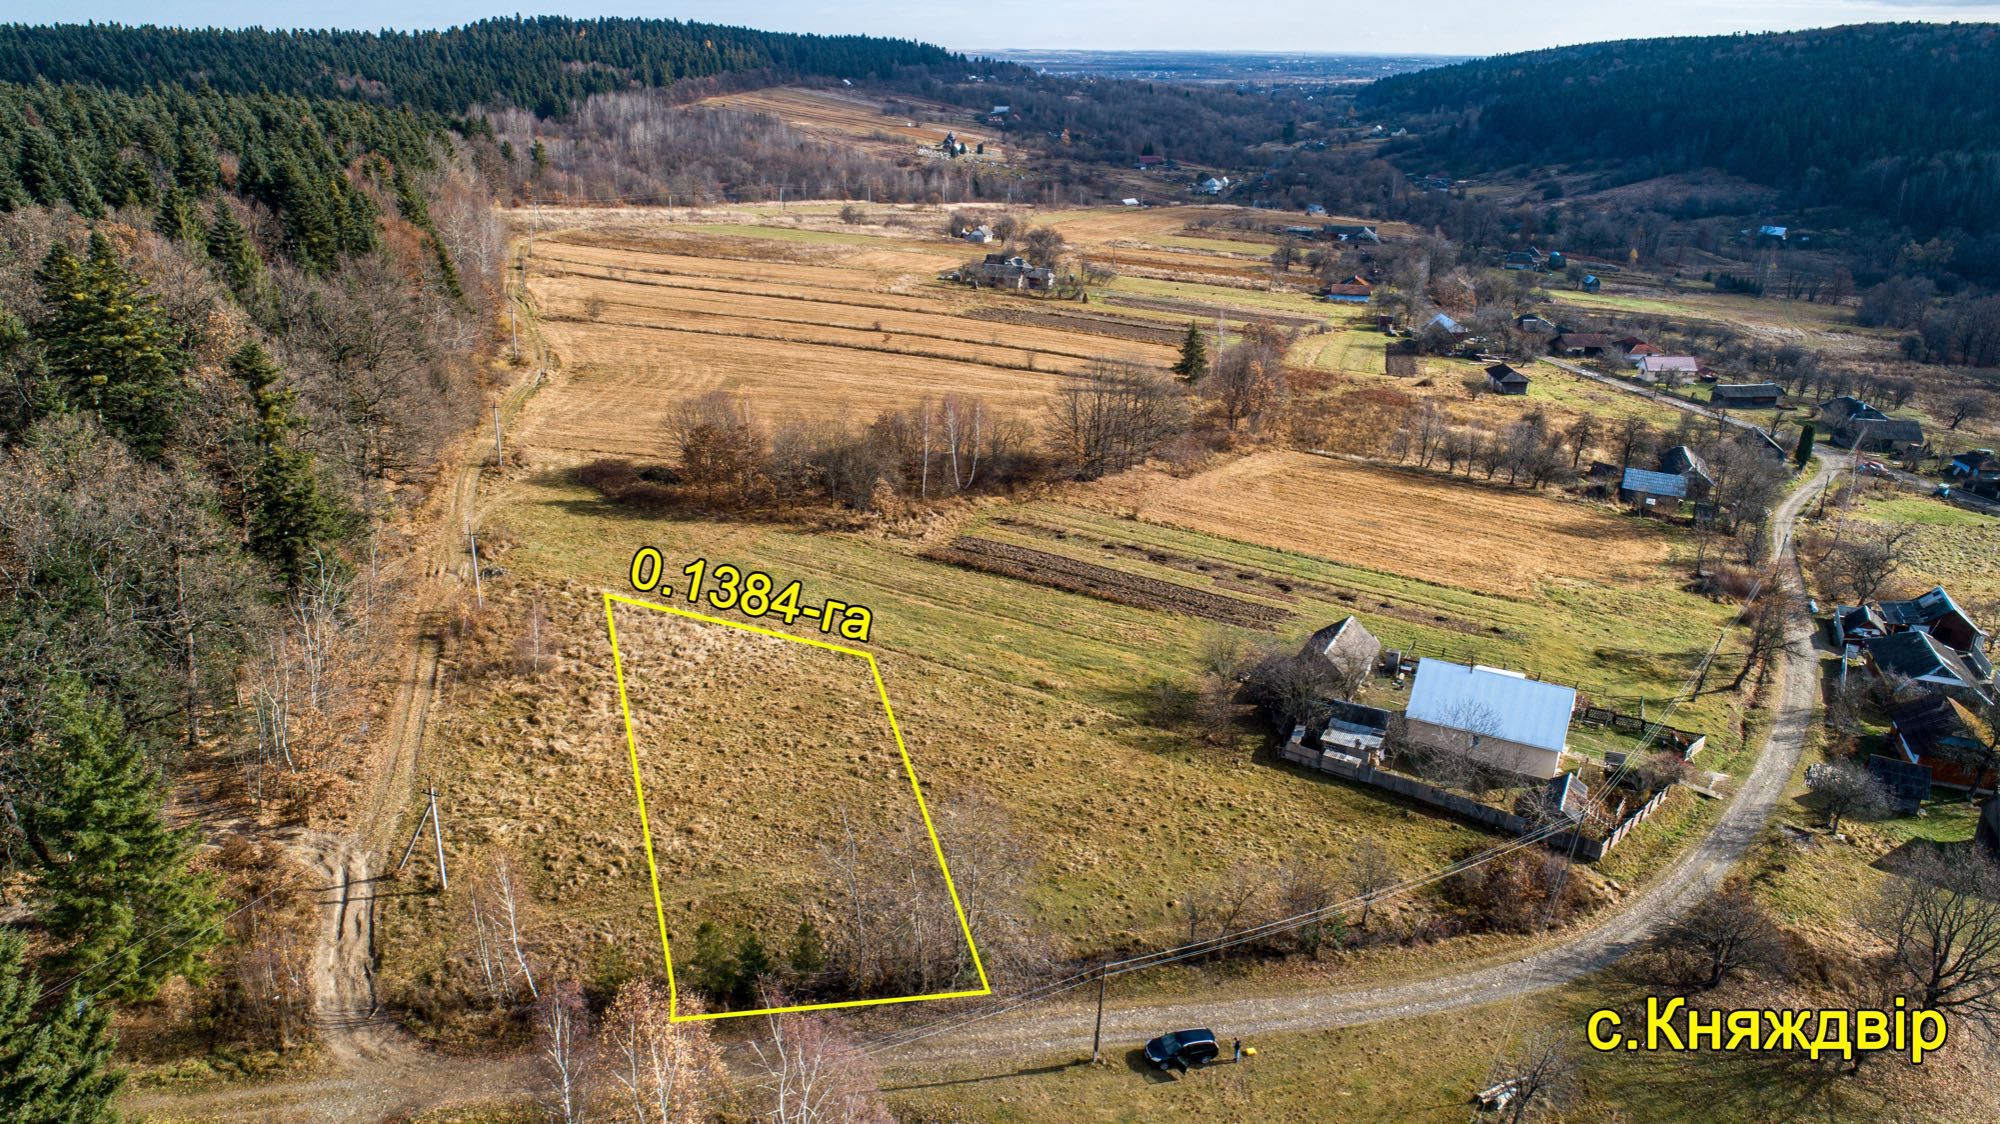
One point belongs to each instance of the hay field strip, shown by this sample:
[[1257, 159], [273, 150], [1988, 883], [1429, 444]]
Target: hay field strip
[[620, 386], [975, 341], [830, 114], [1506, 541]]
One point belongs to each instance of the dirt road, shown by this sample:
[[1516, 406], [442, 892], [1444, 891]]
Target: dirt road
[[1055, 1028], [380, 1073]]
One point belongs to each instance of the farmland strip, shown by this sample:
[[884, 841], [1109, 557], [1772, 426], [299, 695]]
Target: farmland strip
[[1058, 572]]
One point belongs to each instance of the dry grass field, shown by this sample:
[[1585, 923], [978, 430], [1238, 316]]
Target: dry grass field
[[846, 117], [1035, 696], [1421, 525]]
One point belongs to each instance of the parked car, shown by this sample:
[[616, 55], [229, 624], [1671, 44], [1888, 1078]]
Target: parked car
[[1183, 1049]]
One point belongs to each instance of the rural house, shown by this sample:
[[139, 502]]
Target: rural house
[[1529, 322], [1345, 644], [1340, 233], [1687, 464], [1003, 271], [1934, 612], [1943, 735], [1977, 472], [1580, 343], [1497, 717], [1522, 260], [1502, 379], [1745, 395], [1348, 292], [1922, 659], [1671, 370], [1633, 346], [1855, 424], [1658, 492], [979, 234]]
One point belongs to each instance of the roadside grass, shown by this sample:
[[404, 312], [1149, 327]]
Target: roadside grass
[[1951, 546]]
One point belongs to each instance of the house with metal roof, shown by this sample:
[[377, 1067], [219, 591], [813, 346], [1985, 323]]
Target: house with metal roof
[[1745, 395], [1945, 735], [1857, 425], [1498, 717], [1928, 662], [1669, 369], [1684, 462], [1655, 491]]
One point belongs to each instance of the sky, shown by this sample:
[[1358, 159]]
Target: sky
[[1450, 27]]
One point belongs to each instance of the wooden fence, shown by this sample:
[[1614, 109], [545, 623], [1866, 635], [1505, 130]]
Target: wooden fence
[[1584, 847]]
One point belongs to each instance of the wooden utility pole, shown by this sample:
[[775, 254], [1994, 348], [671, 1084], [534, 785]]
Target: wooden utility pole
[[499, 451], [430, 817], [1097, 1032], [478, 591]]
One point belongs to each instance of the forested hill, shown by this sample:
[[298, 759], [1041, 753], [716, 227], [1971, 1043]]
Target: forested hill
[[1901, 119], [546, 63]]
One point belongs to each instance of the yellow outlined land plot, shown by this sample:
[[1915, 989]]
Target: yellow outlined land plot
[[646, 825]]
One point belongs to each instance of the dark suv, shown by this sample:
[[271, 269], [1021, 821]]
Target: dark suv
[[1182, 1049]]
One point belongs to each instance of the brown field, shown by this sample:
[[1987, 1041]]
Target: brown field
[[1420, 525], [806, 316], [846, 117], [1110, 583]]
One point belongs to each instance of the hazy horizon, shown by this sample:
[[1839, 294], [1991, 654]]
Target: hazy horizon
[[1295, 27]]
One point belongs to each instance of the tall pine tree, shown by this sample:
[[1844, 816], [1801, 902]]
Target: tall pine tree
[[289, 517], [109, 347], [115, 886], [54, 1066]]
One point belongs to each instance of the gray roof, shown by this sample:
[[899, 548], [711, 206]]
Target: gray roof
[[1654, 483], [1919, 655], [1746, 390], [1493, 703]]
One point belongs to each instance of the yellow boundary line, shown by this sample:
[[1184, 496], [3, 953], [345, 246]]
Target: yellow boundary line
[[646, 829]]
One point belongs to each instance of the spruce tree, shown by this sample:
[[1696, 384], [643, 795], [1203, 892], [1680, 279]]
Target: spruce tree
[[289, 516], [115, 887], [1805, 450], [808, 950], [753, 963], [108, 346], [236, 256], [55, 1066], [176, 218], [714, 966], [1194, 354]]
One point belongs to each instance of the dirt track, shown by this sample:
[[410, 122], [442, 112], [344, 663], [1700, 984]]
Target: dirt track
[[380, 1073]]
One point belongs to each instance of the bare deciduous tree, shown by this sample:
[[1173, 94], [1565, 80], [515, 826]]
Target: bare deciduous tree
[[562, 1027], [1112, 417], [1941, 920], [1846, 789], [1727, 932], [1371, 870], [810, 1072], [668, 1071]]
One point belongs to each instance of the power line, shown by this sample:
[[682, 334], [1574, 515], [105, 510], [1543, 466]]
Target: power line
[[898, 1039]]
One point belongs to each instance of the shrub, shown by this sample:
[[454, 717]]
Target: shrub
[[610, 475]]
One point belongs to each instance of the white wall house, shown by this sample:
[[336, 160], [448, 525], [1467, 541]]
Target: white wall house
[[1498, 717]]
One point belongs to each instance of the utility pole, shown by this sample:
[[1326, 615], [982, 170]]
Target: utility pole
[[1097, 1033], [430, 816], [472, 541], [499, 452]]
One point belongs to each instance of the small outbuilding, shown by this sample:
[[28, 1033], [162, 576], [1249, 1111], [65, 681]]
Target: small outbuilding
[[1745, 395], [1502, 379]]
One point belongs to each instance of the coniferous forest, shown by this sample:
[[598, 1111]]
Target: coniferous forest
[[1897, 119]]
